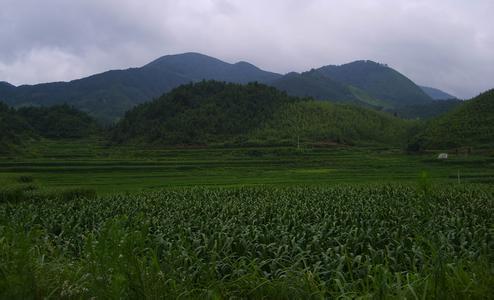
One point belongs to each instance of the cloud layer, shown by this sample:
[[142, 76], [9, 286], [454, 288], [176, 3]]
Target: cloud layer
[[443, 43]]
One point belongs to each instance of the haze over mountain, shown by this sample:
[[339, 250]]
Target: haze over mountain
[[437, 94], [107, 96]]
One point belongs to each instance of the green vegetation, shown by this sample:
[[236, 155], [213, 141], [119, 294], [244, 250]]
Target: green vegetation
[[316, 85], [18, 127], [58, 122], [426, 111], [214, 112], [322, 122], [107, 96], [200, 113], [67, 164], [302, 242], [379, 81], [469, 125], [219, 190], [14, 130]]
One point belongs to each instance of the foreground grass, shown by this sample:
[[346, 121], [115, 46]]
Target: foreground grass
[[377, 241]]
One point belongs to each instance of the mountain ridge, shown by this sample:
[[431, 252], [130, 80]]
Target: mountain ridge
[[108, 95]]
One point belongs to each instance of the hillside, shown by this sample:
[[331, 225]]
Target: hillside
[[426, 111], [364, 83], [379, 81], [14, 129], [107, 96], [314, 84], [59, 121], [437, 94], [28, 123], [323, 122], [469, 125], [216, 112]]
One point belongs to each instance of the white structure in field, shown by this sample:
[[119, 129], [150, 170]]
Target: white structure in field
[[443, 156]]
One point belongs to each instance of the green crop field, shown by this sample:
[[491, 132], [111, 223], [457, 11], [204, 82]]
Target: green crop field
[[375, 241], [92, 164], [80, 219]]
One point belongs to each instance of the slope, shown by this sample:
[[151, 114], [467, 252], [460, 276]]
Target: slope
[[469, 125], [18, 126], [216, 112], [379, 81]]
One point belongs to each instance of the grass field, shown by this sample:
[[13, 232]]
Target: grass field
[[92, 165]]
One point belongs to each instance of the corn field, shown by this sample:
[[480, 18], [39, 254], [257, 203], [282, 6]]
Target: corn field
[[377, 241]]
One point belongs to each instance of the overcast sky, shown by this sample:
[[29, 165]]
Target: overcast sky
[[447, 44]]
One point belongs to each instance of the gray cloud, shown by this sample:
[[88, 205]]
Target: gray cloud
[[443, 43]]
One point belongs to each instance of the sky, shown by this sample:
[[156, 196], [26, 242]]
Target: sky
[[448, 44]]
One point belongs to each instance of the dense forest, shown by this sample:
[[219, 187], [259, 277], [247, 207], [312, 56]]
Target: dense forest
[[324, 122], [14, 129], [217, 112], [426, 111], [469, 125], [201, 113], [220, 113], [56, 122]]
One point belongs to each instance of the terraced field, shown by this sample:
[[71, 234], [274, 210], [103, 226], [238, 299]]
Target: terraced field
[[107, 170]]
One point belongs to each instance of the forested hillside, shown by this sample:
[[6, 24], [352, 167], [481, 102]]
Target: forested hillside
[[378, 81], [323, 122], [469, 125], [14, 129], [426, 111], [56, 122], [210, 112]]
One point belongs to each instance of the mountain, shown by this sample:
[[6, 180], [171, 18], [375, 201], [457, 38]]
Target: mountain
[[217, 112], [378, 81], [107, 96], [469, 125], [362, 82], [313, 84], [197, 67], [437, 94]]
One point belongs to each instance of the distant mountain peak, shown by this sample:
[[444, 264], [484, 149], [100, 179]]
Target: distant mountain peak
[[183, 57]]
